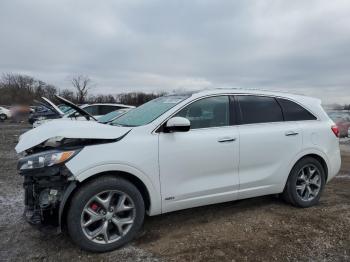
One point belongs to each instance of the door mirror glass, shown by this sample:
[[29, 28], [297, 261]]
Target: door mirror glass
[[177, 124]]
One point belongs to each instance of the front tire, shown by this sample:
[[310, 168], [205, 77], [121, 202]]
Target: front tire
[[3, 117], [105, 214], [305, 183]]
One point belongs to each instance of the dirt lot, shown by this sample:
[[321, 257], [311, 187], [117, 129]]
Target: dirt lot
[[258, 229]]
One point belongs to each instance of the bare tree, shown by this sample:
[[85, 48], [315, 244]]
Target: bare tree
[[67, 94], [82, 84], [50, 91], [22, 89]]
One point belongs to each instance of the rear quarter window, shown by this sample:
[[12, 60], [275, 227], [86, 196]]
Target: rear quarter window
[[294, 112]]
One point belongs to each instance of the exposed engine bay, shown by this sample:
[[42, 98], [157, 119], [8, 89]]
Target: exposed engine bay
[[44, 192], [47, 182]]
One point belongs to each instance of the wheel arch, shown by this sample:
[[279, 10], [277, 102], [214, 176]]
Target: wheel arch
[[319, 156], [135, 180], [127, 176], [322, 162]]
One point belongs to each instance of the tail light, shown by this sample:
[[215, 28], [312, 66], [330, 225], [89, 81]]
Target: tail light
[[335, 130]]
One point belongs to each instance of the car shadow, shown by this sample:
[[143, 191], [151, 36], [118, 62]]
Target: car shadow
[[153, 225]]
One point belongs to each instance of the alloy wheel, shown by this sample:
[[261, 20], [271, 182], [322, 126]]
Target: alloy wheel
[[308, 184], [108, 216]]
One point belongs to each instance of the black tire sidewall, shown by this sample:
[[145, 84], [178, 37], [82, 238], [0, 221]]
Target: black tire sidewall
[[291, 185], [84, 194], [3, 117]]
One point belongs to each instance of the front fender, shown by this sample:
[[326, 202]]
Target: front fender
[[153, 190]]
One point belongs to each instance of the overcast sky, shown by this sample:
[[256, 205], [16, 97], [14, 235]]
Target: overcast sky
[[300, 46]]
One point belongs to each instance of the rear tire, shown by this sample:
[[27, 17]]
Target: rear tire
[[305, 183], [116, 208]]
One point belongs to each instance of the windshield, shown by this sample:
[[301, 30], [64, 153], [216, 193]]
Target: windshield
[[70, 111], [64, 108], [149, 111], [112, 115]]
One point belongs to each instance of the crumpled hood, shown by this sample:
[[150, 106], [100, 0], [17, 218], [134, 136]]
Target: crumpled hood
[[69, 129]]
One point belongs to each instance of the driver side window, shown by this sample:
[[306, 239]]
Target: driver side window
[[207, 112]]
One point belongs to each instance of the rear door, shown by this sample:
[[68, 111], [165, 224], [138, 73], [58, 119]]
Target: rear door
[[267, 145]]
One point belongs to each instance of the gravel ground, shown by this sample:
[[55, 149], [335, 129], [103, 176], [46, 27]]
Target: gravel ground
[[260, 229]]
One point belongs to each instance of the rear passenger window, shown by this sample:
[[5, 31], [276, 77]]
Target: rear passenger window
[[294, 112], [259, 109]]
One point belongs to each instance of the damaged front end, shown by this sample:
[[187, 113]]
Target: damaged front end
[[46, 184], [45, 151]]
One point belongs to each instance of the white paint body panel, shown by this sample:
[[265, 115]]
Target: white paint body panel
[[188, 169], [5, 111], [265, 154], [190, 180], [68, 129]]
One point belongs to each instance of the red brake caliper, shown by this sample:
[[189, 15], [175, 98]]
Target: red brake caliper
[[94, 207]]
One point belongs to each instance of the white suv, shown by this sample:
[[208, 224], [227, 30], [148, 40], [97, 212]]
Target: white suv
[[172, 153]]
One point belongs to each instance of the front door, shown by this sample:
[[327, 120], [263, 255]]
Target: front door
[[200, 166]]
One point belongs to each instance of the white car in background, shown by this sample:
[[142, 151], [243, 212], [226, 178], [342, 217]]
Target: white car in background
[[4, 113], [84, 112], [172, 153]]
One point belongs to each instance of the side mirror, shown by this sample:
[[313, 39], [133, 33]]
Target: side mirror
[[177, 124]]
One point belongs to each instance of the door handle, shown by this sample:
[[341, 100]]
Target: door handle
[[291, 133], [226, 139]]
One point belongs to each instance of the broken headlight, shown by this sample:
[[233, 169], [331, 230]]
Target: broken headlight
[[45, 159]]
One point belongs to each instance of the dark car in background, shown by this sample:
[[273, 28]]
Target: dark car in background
[[43, 110]]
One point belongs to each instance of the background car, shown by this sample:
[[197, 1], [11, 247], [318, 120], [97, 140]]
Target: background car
[[69, 110], [42, 112], [96, 110], [4, 113], [342, 120], [112, 115]]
